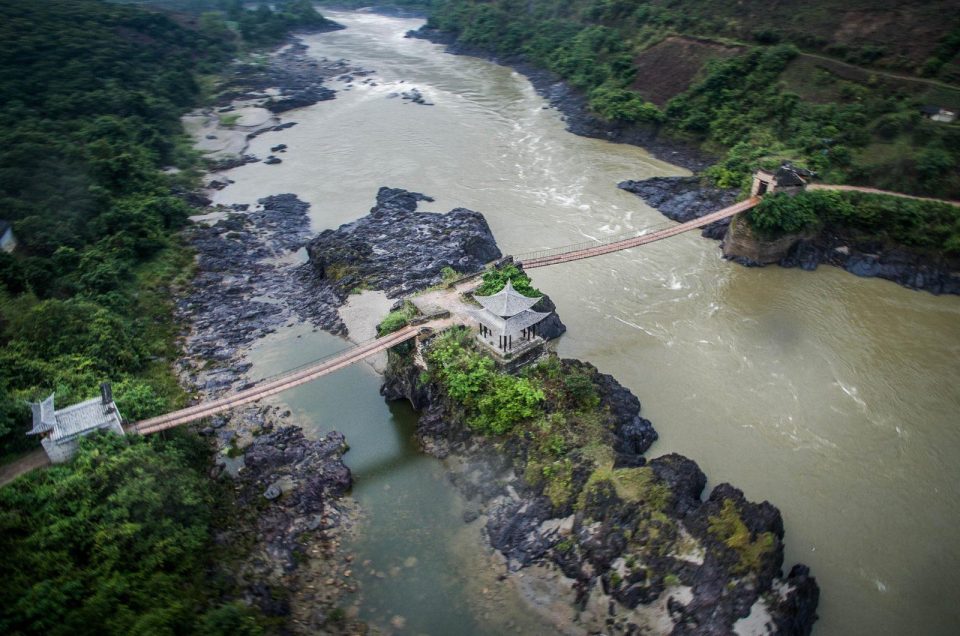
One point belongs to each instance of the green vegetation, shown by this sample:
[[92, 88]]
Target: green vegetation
[[554, 409], [90, 100], [493, 402], [88, 121], [117, 542], [266, 25], [397, 319], [120, 540], [495, 279], [729, 528], [923, 225], [763, 104]]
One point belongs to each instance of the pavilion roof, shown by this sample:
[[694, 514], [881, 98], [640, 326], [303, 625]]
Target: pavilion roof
[[507, 302], [85, 416], [44, 416], [511, 326], [74, 420]]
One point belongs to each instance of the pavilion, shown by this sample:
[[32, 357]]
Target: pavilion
[[507, 319], [61, 430]]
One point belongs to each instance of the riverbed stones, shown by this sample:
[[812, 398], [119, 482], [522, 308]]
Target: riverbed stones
[[684, 199]]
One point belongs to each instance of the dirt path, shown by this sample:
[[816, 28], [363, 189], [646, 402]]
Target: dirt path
[[848, 188], [9, 472], [872, 71]]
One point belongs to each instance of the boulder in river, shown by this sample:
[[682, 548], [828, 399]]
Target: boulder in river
[[399, 249]]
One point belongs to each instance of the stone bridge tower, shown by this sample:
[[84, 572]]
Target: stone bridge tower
[[787, 178]]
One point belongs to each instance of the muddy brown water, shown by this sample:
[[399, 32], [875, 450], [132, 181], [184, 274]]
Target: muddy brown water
[[834, 397]]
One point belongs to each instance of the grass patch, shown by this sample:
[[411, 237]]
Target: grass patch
[[229, 119], [729, 528], [397, 319], [633, 485]]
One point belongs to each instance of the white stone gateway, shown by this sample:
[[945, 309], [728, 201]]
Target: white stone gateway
[[61, 430], [507, 319]]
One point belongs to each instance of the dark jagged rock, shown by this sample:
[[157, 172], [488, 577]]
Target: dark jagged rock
[[414, 96], [797, 611], [684, 199], [685, 479], [400, 250], [228, 163], [936, 274], [630, 550], [235, 258], [513, 528], [298, 480], [634, 435], [277, 128], [271, 160], [297, 80]]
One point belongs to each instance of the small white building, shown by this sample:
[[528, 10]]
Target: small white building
[[507, 320], [940, 114], [788, 178], [61, 430], [8, 241]]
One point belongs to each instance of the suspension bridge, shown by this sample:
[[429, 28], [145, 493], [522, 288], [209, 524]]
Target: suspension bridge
[[277, 383], [330, 364], [598, 248], [337, 361]]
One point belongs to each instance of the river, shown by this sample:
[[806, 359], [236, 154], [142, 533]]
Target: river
[[834, 397]]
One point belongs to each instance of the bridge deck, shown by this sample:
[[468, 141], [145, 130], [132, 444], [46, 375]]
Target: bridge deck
[[276, 384], [574, 253]]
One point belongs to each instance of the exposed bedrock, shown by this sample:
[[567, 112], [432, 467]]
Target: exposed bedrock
[[638, 540], [400, 250], [686, 198]]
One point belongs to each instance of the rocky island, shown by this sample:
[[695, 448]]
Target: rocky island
[[555, 459]]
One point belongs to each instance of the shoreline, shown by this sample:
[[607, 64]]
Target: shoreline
[[685, 198], [573, 107], [239, 266], [295, 512], [864, 258]]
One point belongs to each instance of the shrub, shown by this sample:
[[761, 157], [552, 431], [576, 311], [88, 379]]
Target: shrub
[[495, 279], [729, 528], [782, 214], [619, 104], [398, 319], [494, 402]]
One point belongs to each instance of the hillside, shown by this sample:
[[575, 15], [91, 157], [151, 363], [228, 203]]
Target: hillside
[[753, 83], [885, 33]]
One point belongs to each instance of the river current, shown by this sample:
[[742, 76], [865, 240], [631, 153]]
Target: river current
[[834, 397]]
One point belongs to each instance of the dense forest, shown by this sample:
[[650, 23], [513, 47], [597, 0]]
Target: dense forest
[[91, 99], [117, 542], [94, 166], [758, 91], [95, 176]]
